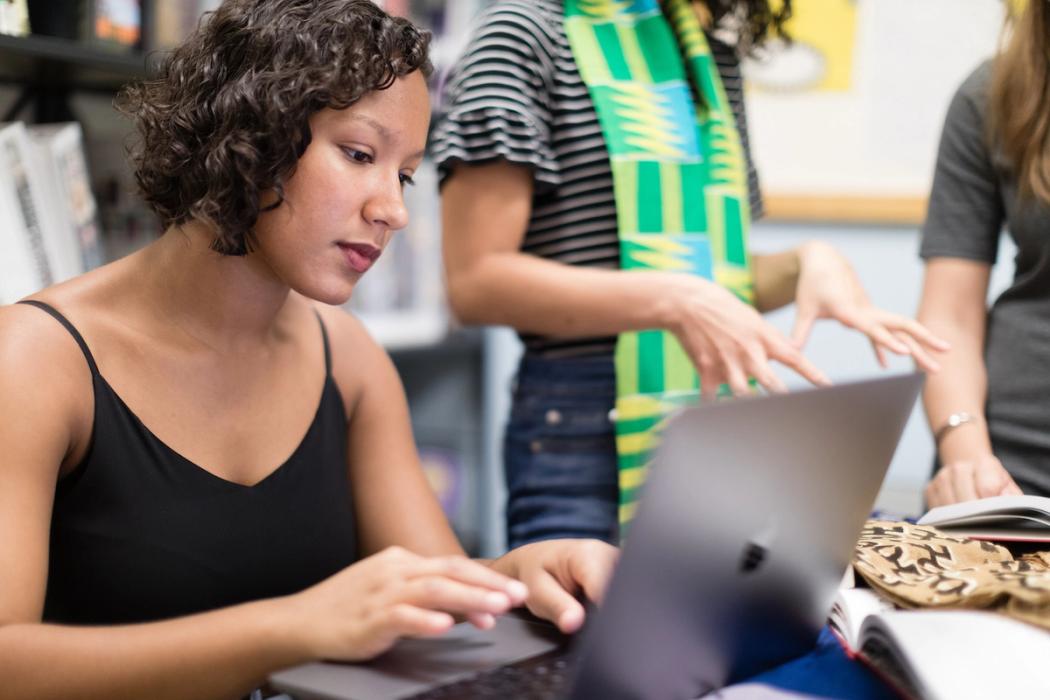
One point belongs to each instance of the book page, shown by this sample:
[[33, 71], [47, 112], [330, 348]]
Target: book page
[[1006, 507], [850, 608], [960, 653]]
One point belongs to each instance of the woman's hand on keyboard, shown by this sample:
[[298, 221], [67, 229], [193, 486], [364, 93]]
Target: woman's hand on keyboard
[[556, 571], [361, 611]]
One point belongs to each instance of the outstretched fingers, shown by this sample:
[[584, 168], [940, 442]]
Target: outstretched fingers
[[923, 335], [922, 358], [791, 357]]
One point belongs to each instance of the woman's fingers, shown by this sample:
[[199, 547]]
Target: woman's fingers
[[448, 595], [922, 358], [789, 356], [896, 333], [404, 620], [803, 327], [549, 600], [737, 379], [483, 621], [878, 333], [733, 360], [961, 481], [473, 574], [762, 371], [919, 332], [880, 354], [592, 569]]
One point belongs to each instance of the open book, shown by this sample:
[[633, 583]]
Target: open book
[[943, 653], [1005, 518]]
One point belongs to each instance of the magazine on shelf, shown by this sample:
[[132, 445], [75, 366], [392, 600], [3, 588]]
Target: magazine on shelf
[[943, 653], [71, 221], [1000, 518], [24, 261], [14, 17]]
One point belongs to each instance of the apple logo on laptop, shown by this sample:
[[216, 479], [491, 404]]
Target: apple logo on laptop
[[756, 548], [754, 555]]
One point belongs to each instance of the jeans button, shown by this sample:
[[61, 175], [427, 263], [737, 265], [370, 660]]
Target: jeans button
[[536, 446], [553, 417]]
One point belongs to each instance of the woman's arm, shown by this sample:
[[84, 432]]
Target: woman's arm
[[393, 502], [396, 507], [954, 306], [485, 211]]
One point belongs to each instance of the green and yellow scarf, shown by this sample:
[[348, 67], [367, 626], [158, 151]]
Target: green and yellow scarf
[[680, 180]]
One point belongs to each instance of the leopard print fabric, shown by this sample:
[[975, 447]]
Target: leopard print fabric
[[916, 566]]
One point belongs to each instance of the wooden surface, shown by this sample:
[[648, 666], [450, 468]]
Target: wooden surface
[[905, 211]]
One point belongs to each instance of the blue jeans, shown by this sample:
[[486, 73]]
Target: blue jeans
[[560, 451]]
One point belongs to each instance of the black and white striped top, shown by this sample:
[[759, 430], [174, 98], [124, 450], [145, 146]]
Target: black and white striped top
[[516, 94]]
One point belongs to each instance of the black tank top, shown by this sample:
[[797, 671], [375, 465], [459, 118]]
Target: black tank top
[[139, 533]]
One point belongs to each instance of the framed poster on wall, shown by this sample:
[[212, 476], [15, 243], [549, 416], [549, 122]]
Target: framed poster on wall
[[845, 120]]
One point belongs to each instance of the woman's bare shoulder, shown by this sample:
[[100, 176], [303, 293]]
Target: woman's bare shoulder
[[34, 345], [32, 340], [43, 373]]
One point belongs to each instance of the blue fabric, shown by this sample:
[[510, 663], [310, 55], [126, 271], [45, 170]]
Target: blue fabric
[[825, 672], [560, 451]]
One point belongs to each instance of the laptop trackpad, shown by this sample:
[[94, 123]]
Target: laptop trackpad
[[414, 665]]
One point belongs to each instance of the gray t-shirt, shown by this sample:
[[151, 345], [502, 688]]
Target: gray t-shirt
[[974, 194]]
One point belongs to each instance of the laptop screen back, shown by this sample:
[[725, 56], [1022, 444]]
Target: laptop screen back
[[744, 530]]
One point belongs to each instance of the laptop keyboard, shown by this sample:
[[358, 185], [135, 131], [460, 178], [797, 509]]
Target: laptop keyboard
[[537, 678]]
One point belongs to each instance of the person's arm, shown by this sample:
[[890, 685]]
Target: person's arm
[[776, 278], [396, 507], [393, 502], [953, 306], [356, 614], [485, 213]]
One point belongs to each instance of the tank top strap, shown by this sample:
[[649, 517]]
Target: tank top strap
[[73, 331], [327, 348]]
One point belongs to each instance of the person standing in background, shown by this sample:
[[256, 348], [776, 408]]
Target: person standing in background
[[987, 409], [557, 160]]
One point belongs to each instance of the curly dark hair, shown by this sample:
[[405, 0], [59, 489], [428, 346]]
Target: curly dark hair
[[226, 118], [753, 21]]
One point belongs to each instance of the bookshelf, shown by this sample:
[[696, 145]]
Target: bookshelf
[[30, 60]]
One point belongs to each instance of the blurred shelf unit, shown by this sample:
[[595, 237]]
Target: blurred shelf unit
[[408, 329], [35, 60]]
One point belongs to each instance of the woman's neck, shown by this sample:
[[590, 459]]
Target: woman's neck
[[220, 301]]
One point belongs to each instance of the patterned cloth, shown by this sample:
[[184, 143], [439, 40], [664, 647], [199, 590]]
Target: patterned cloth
[[680, 179], [916, 566]]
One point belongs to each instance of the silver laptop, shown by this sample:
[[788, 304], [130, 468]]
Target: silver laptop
[[745, 528]]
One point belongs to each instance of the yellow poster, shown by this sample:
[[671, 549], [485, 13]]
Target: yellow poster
[[820, 56]]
